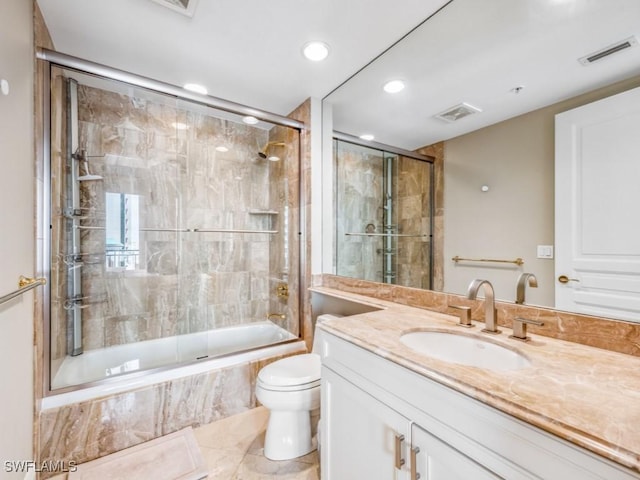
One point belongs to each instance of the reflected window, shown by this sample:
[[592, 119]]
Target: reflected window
[[122, 231]]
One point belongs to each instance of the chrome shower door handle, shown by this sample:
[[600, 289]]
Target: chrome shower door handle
[[399, 460]]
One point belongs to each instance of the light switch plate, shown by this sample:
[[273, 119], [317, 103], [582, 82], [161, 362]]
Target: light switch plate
[[545, 251]]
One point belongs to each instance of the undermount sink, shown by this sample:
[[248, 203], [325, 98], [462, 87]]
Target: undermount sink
[[465, 350]]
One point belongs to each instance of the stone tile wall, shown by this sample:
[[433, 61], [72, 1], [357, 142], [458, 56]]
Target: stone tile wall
[[413, 218], [185, 281], [91, 429], [359, 200], [360, 203]]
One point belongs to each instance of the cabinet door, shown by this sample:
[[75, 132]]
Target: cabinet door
[[358, 437], [436, 460]]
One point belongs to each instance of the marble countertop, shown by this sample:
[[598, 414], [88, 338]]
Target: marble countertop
[[585, 395]]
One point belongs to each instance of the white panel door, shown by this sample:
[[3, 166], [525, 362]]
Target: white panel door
[[358, 440], [436, 460], [597, 223]]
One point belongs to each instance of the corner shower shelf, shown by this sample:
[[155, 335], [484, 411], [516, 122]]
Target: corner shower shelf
[[221, 230], [263, 212]]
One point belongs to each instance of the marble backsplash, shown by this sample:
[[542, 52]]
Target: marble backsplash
[[615, 335]]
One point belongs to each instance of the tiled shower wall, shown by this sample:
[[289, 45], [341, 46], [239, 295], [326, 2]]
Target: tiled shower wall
[[414, 217], [360, 203], [359, 200], [185, 281]]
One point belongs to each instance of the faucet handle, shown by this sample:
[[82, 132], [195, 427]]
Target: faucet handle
[[520, 328], [464, 314]]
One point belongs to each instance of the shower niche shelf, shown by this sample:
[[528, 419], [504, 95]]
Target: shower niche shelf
[[263, 212]]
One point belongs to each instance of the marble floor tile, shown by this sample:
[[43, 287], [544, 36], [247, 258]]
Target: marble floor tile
[[232, 449], [221, 463], [235, 433], [257, 467]]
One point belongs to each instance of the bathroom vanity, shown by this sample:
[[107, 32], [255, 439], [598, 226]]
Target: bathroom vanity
[[391, 412]]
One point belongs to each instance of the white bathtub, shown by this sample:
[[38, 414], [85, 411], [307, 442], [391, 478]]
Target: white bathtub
[[199, 352]]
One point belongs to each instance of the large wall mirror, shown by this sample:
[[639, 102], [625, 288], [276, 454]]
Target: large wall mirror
[[483, 83]]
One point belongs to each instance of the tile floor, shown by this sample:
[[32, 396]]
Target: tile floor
[[233, 450]]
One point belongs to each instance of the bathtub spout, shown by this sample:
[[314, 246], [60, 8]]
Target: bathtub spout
[[279, 316]]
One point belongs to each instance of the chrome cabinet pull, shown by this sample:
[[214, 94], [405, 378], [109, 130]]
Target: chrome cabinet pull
[[414, 464], [399, 459]]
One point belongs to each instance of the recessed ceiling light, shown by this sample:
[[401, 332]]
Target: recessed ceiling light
[[249, 120], [393, 86], [194, 87], [367, 136], [315, 51], [222, 148], [180, 126]]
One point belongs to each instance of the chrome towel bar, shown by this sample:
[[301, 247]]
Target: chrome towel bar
[[189, 230], [24, 285], [358, 234]]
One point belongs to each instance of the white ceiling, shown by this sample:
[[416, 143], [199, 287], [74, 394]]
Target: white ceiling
[[245, 51], [476, 52], [249, 52]]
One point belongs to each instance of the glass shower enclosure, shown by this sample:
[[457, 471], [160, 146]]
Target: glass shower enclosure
[[384, 212], [174, 230]]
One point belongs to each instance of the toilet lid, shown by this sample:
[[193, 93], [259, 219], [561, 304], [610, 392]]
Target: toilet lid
[[294, 370]]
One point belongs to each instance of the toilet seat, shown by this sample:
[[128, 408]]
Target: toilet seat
[[288, 388], [298, 372]]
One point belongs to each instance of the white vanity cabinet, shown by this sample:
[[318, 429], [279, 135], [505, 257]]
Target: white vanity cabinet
[[383, 421], [365, 438], [433, 459]]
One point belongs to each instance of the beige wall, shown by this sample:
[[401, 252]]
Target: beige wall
[[17, 238], [515, 159]]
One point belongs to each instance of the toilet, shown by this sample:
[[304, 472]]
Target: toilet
[[290, 390]]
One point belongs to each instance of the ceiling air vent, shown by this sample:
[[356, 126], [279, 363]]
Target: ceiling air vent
[[456, 113], [610, 50], [185, 7]]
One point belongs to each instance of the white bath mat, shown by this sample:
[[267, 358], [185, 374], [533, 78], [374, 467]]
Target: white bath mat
[[173, 457]]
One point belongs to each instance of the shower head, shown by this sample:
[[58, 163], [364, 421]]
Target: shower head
[[81, 156], [89, 178], [264, 153]]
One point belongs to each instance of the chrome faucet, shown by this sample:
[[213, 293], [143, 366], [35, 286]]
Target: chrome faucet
[[490, 315], [522, 283]]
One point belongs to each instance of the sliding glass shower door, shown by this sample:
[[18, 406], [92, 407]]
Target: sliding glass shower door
[[170, 220], [383, 216]]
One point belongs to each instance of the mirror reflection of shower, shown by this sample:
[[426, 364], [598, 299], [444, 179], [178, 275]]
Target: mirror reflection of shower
[[87, 176], [268, 152], [383, 215]]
